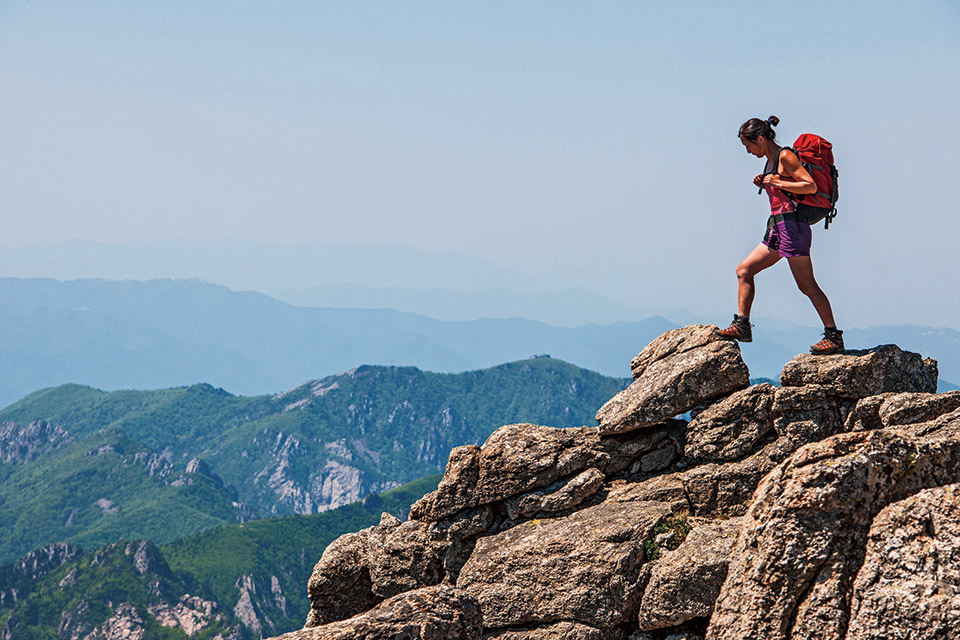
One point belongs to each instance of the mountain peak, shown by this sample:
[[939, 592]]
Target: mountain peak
[[649, 525]]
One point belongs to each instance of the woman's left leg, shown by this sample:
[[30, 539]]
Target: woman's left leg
[[802, 269]]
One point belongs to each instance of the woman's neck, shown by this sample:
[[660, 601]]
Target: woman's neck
[[773, 150]]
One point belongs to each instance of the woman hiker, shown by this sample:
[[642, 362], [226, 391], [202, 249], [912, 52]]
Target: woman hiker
[[786, 236]]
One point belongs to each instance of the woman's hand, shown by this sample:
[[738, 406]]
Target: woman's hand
[[771, 179], [758, 180]]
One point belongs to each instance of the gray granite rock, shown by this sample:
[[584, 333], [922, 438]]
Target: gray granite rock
[[431, 613], [359, 570], [684, 583], [672, 343], [563, 630], [865, 414], [726, 490], [893, 409], [559, 497], [804, 535], [680, 370], [579, 568], [731, 428], [667, 488], [858, 374], [909, 584], [546, 529], [458, 486], [803, 415], [520, 458]]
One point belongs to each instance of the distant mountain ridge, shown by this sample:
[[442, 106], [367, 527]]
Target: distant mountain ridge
[[560, 308], [164, 333], [445, 285]]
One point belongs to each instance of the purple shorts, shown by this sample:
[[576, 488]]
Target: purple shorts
[[789, 238]]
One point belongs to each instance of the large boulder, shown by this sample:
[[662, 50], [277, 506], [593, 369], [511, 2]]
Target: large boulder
[[359, 570], [666, 487], [678, 371], [858, 374], [731, 428], [942, 427], [911, 408], [803, 415], [519, 458], [725, 490], [909, 584], [803, 537], [893, 409], [685, 582], [558, 631], [558, 497], [672, 343], [580, 568], [457, 487], [432, 613]]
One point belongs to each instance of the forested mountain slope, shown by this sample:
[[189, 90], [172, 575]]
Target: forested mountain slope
[[90, 467]]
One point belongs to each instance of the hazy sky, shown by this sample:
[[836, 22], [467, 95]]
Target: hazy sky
[[591, 142]]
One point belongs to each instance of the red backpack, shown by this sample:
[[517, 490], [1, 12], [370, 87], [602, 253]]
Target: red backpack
[[816, 156]]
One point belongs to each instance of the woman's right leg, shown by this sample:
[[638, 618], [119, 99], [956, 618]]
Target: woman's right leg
[[759, 259]]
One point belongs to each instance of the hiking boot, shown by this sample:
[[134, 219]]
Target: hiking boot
[[739, 329], [832, 343]]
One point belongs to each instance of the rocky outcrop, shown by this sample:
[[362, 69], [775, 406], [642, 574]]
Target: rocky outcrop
[[20, 444], [909, 583], [246, 610], [684, 584], [525, 457], [124, 624], [581, 568], [858, 374], [895, 409], [432, 613], [731, 428], [804, 535], [805, 414], [359, 570], [725, 490], [825, 508], [679, 370], [558, 497], [18, 579], [119, 591], [555, 631], [192, 614]]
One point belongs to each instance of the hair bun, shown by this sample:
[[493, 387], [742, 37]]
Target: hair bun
[[773, 120]]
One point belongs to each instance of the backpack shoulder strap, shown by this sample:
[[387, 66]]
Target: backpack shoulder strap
[[791, 150]]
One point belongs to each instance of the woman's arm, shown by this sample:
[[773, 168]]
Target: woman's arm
[[792, 177]]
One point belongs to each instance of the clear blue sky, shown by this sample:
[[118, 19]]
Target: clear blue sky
[[590, 142]]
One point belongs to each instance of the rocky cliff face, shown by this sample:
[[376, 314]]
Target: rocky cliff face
[[17, 579], [58, 592], [825, 508], [20, 444]]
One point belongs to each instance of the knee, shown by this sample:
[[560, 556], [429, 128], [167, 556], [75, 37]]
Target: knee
[[744, 273], [809, 289]]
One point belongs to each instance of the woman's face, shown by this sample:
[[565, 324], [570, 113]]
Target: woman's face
[[754, 147]]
